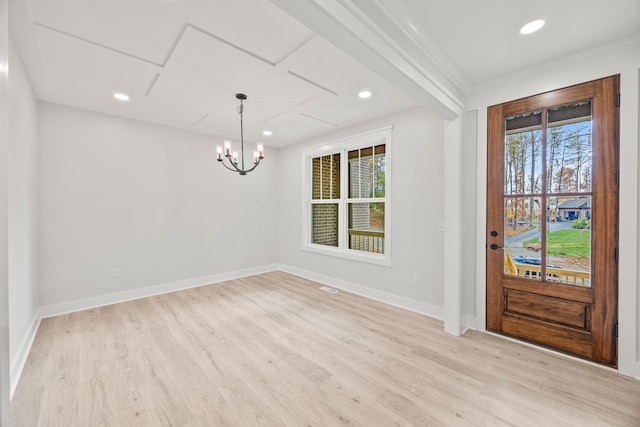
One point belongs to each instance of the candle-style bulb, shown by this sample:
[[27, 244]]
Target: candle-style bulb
[[227, 147]]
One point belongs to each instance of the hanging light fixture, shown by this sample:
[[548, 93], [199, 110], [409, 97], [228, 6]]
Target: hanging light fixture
[[232, 157]]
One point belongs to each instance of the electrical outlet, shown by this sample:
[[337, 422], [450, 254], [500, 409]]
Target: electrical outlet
[[263, 252], [441, 225], [115, 272], [416, 279]]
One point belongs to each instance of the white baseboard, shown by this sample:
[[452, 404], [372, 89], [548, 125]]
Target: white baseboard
[[18, 362], [102, 300], [374, 294]]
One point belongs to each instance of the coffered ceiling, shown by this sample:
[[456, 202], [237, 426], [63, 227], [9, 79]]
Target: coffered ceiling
[[301, 62], [181, 62]]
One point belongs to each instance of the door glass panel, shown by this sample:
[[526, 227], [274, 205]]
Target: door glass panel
[[522, 237], [568, 241], [569, 148], [523, 154], [564, 202]]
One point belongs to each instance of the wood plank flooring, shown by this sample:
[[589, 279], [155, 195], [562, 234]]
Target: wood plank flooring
[[274, 350]]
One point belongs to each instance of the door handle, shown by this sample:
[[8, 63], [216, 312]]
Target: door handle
[[494, 246]]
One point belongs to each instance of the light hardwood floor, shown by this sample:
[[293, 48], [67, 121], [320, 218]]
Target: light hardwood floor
[[274, 350]]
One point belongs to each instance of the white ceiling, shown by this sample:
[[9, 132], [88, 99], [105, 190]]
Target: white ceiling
[[182, 61], [482, 37]]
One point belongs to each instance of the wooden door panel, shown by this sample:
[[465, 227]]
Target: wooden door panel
[[561, 311], [575, 342], [529, 301], [557, 291]]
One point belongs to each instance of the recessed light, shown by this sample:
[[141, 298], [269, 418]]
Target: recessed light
[[532, 26], [365, 94], [121, 96], [267, 133]]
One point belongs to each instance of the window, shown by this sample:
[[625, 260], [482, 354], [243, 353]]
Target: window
[[325, 189], [346, 197]]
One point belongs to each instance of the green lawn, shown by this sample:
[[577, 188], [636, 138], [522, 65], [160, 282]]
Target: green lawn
[[567, 243]]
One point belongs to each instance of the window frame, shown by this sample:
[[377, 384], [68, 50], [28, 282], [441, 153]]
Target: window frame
[[343, 146]]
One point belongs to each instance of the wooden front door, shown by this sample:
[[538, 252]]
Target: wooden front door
[[552, 219]]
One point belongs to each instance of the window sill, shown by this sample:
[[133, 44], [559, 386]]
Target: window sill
[[370, 258]]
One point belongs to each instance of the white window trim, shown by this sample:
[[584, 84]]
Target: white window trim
[[342, 146]]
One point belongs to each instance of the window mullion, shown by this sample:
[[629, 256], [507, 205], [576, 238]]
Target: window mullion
[[359, 173], [331, 176], [373, 171], [325, 201], [342, 228], [366, 200]]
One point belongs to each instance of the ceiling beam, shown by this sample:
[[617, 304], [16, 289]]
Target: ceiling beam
[[411, 64]]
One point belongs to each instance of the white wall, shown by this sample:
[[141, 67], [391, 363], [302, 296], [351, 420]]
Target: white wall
[[23, 214], [637, 212], [416, 208], [4, 279], [621, 58], [149, 200]]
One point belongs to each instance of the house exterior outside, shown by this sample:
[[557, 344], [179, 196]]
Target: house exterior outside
[[575, 209]]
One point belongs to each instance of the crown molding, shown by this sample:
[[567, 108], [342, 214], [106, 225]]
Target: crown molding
[[603, 51]]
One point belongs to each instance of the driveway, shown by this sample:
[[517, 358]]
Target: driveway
[[514, 243], [517, 240]]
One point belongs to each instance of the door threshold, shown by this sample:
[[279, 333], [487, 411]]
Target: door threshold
[[552, 351]]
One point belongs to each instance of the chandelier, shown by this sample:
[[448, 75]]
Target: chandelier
[[231, 158]]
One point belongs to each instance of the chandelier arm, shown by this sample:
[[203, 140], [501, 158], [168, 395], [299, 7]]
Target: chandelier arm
[[232, 170], [254, 166], [237, 169]]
